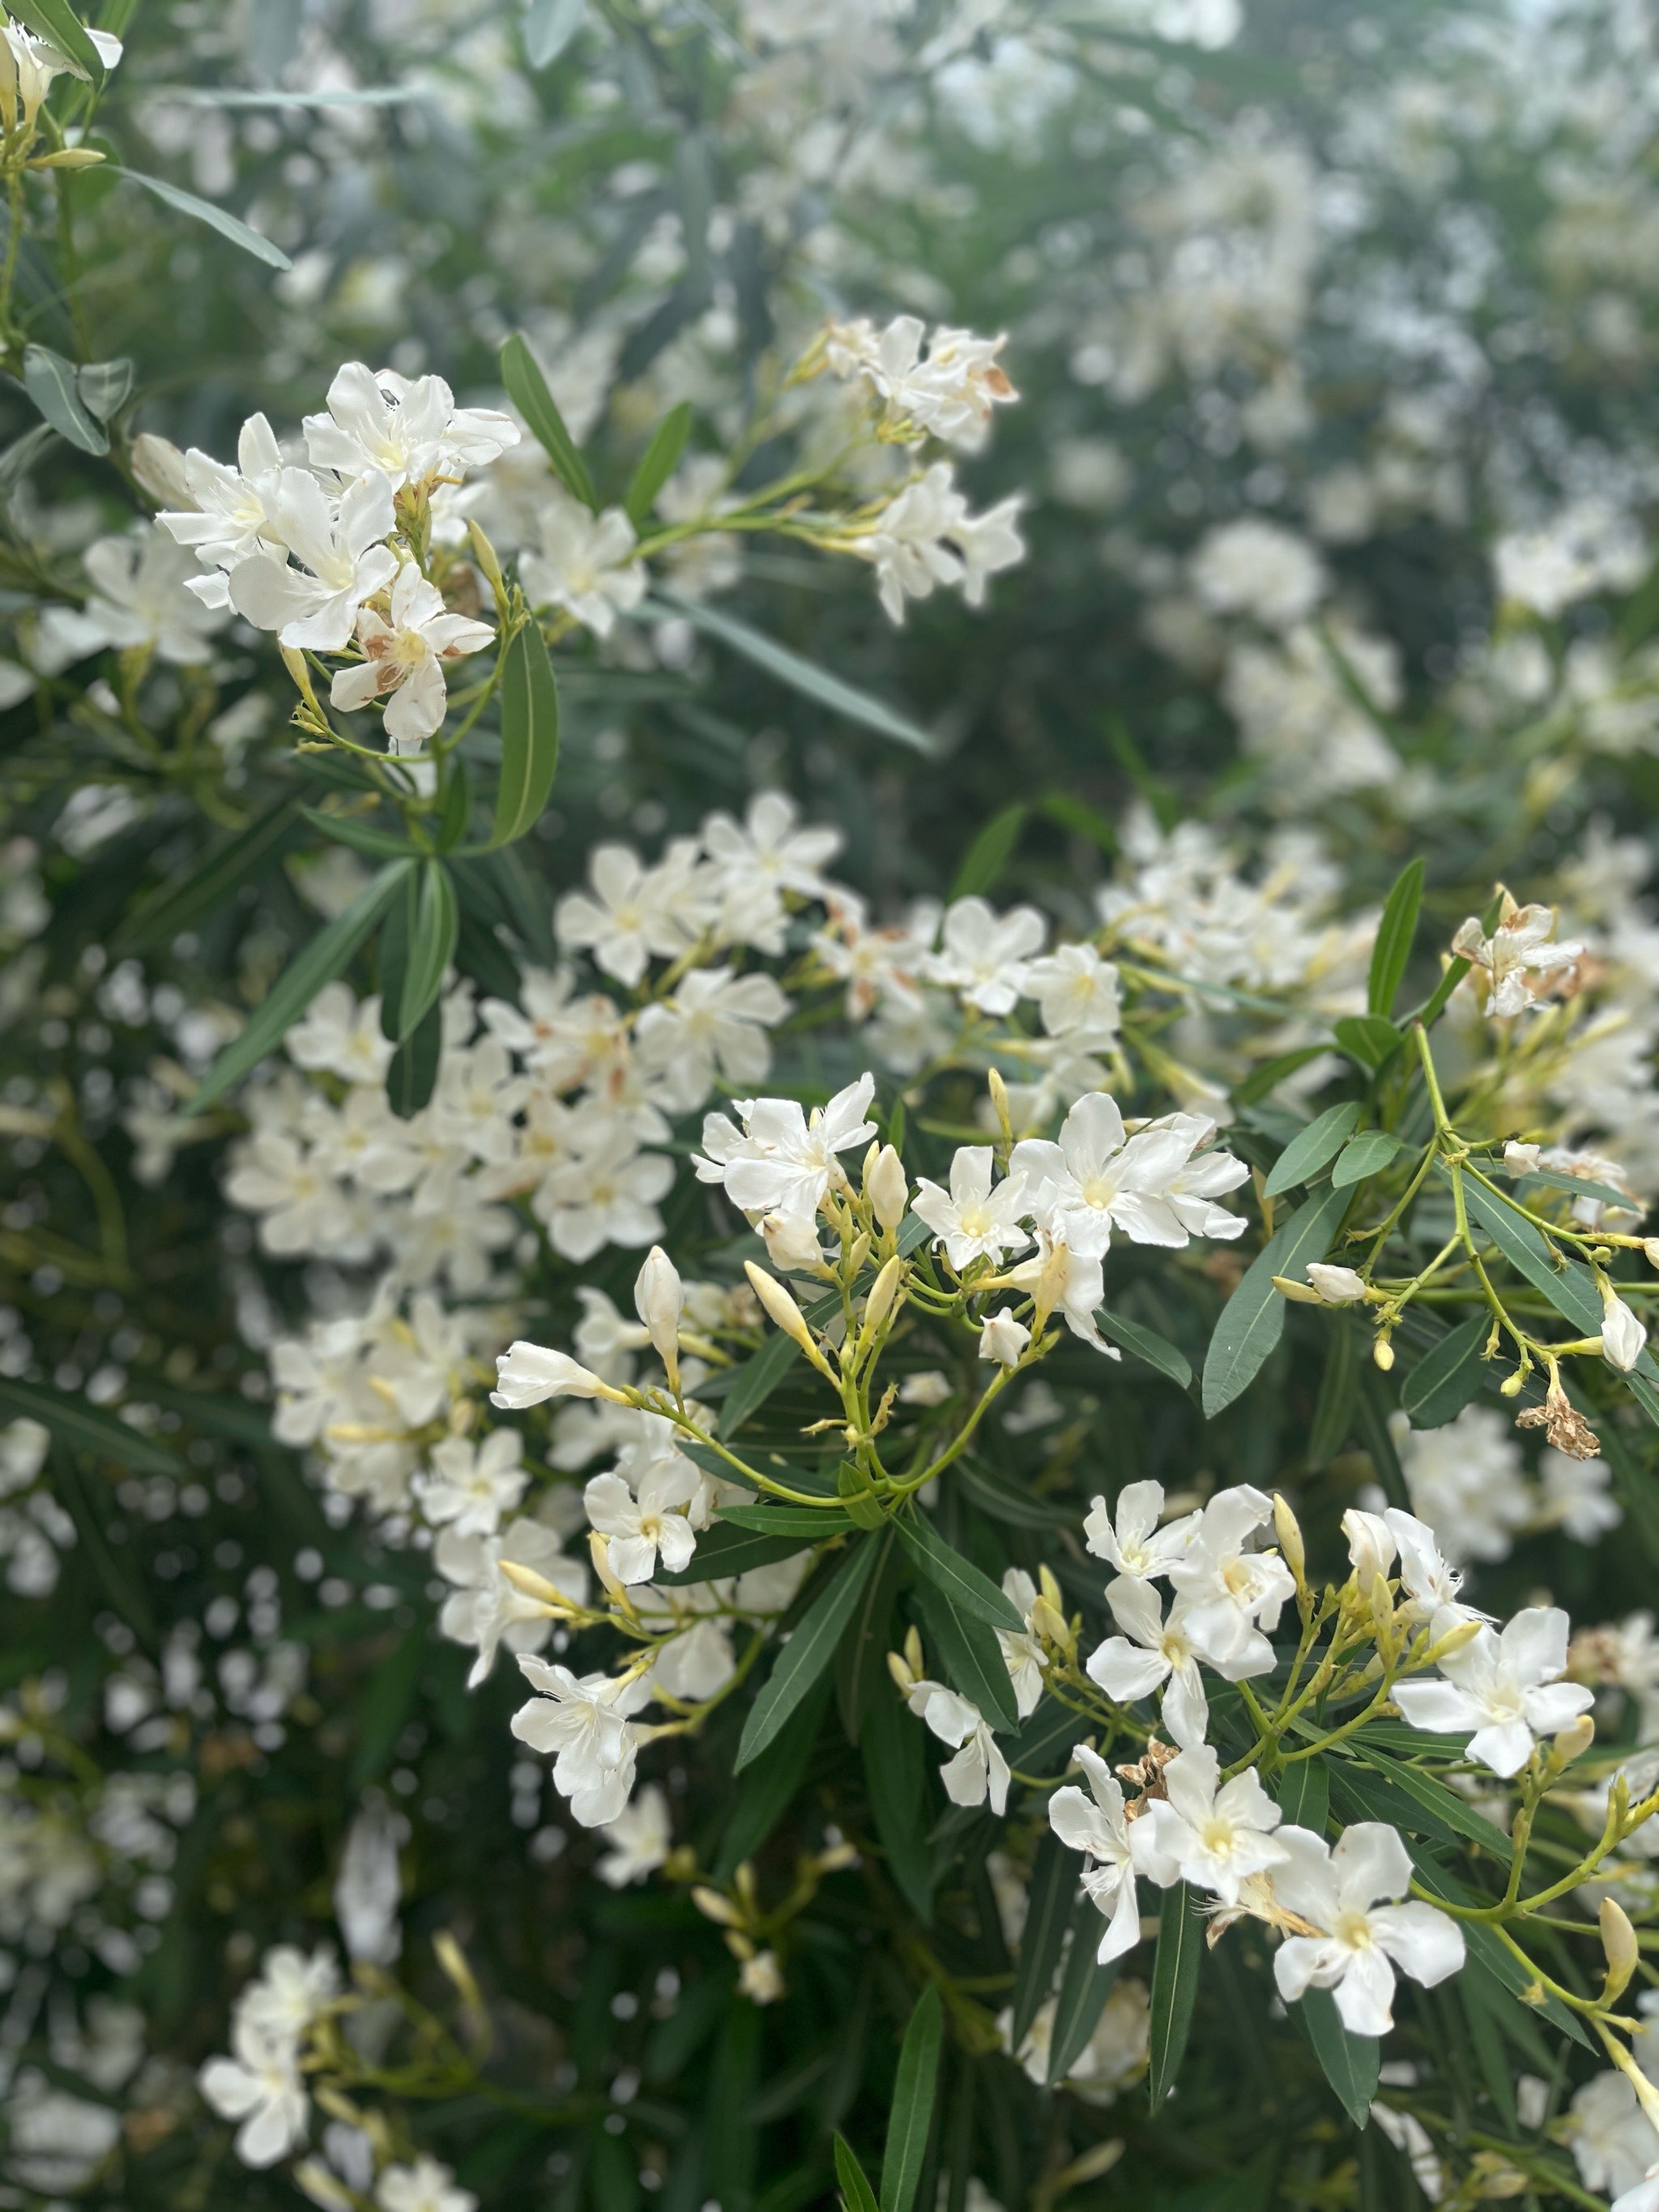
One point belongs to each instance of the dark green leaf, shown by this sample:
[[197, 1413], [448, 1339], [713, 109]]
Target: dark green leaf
[[1364, 1155], [50, 381], [856, 2194], [57, 23], [724, 1550], [914, 2091], [124, 1588], [755, 1380], [1304, 1795], [1181, 1923], [1084, 1989], [970, 1656], [804, 1523], [20, 456], [1392, 952], [435, 926], [1570, 1288], [982, 864], [765, 1793], [530, 735], [413, 1075], [807, 1653], [1147, 1344], [360, 836], [1435, 1004], [1253, 1320], [1310, 1150], [892, 1742], [861, 1661], [1445, 1380], [658, 462], [968, 1590], [1333, 1413], [1082, 820], [1350, 2061], [1367, 1038], [228, 226], [803, 676], [322, 960], [1488, 1958], [219, 877], [1581, 1187], [1008, 1501], [1435, 1800], [76, 1422], [1272, 1073], [549, 27], [1049, 1906], [457, 806], [1371, 1420], [528, 389], [104, 385]]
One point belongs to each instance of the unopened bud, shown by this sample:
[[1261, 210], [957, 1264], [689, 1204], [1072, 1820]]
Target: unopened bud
[[659, 1300], [1288, 1530], [599, 1550], [714, 1907], [882, 1291], [888, 1187], [1624, 1340], [999, 1091], [858, 1251], [1002, 1340], [451, 1957], [1383, 1354], [1049, 1623], [1618, 1942], [537, 1588], [1300, 1294], [1453, 1640], [1337, 1286], [1575, 1740], [1512, 1385], [783, 1309], [904, 1676]]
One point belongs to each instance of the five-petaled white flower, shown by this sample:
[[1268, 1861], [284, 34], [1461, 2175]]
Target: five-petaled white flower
[[979, 1770], [639, 1837], [1130, 1539], [425, 2186], [585, 564], [1518, 948], [345, 555], [1153, 1651], [974, 1219], [640, 1525], [1506, 1687], [1096, 1178], [412, 432], [1360, 1939], [1233, 1592], [260, 2086], [404, 657], [1095, 1827], [1214, 1837], [471, 1487], [986, 955], [784, 1160], [587, 1724]]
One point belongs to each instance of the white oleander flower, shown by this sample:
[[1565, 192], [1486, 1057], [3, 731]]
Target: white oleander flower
[[425, 2186], [404, 658], [1255, 567], [585, 564], [633, 914], [1152, 1653], [34, 63], [714, 1027], [949, 394], [926, 537], [1002, 1339], [291, 1992], [526, 1374], [409, 432], [340, 1034], [974, 1219], [1096, 1826], [1210, 1833], [1504, 1688], [1466, 1483], [259, 2087], [472, 1487], [1233, 1593], [978, 1771], [1614, 2144], [140, 598], [784, 1160], [1095, 1178], [1338, 1286], [1022, 1648], [986, 957], [587, 1724], [1076, 995], [487, 1610], [640, 1839], [1129, 1538], [1069, 1282], [640, 1525], [342, 544], [1361, 1939], [233, 511], [1519, 947], [1624, 1340]]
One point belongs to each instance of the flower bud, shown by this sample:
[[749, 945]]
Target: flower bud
[[537, 1588], [1300, 1294], [888, 1187], [1002, 1339], [882, 1291], [1618, 1942], [1521, 1159], [714, 1907], [660, 1300], [1338, 1286], [526, 1374], [999, 1091], [1371, 1545], [1288, 1530], [1575, 1740], [1624, 1340], [791, 1242], [784, 1311], [904, 1677], [1383, 1354], [760, 1978], [1651, 1250], [1512, 1386]]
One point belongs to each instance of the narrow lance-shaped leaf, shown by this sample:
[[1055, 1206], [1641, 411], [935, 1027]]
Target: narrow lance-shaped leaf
[[914, 2092], [221, 873], [983, 862], [658, 462], [1445, 1379], [530, 735], [1048, 1903], [75, 1422], [1175, 1986], [217, 218], [527, 387], [960, 1580], [435, 926], [970, 1656], [1147, 1344], [1350, 2062], [1253, 1320], [1311, 1148], [51, 383], [319, 963], [1084, 1989], [806, 1654], [1392, 951], [549, 27], [856, 2194]]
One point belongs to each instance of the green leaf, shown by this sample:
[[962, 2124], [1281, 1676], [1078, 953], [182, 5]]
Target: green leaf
[[1435, 1004], [1304, 1795], [413, 1075], [755, 1380], [1350, 2062], [1084, 1989], [228, 226], [1253, 1320], [1082, 820], [549, 27], [658, 462], [1570, 1288], [765, 1793], [456, 807], [1364, 1155], [804, 1523], [360, 836], [722, 1551], [1333, 1413], [20, 456], [1392, 952], [51, 383], [970, 1656], [1421, 1802], [1049, 1906], [76, 1422], [1367, 1038], [1310, 1148], [1175, 1986], [914, 2091], [58, 24], [1445, 1380], [1487, 1957], [321, 961], [803, 676], [527, 387], [982, 864], [968, 1590], [435, 926], [861, 1660], [1581, 1187], [1009, 1501], [856, 2194], [530, 735], [892, 1745], [807, 1653], [1272, 1073], [218, 877], [1147, 1344], [104, 385]]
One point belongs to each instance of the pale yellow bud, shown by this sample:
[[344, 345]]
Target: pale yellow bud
[[1300, 1294], [1511, 1385], [999, 1091], [858, 1251], [714, 1907], [451, 1957], [659, 1300], [784, 1312], [888, 1187], [1382, 1353], [1288, 1530], [1575, 1740], [1618, 1942], [537, 1588], [599, 1550], [904, 1678], [883, 1293]]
